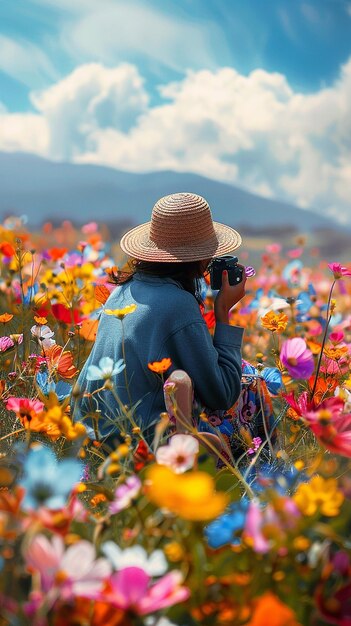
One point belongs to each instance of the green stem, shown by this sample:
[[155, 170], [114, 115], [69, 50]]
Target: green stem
[[324, 340]]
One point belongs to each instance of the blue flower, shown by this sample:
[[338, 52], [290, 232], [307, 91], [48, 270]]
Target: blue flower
[[107, 368], [280, 477], [62, 389], [46, 481], [273, 379], [222, 530]]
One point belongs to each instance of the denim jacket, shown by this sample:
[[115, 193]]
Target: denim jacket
[[167, 322]]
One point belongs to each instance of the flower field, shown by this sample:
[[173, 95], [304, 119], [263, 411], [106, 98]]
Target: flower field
[[184, 530]]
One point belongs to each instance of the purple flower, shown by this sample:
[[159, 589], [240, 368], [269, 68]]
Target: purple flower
[[297, 358], [124, 494]]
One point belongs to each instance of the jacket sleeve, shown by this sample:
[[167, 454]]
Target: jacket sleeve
[[214, 366]]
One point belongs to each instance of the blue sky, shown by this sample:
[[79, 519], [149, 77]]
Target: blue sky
[[239, 90]]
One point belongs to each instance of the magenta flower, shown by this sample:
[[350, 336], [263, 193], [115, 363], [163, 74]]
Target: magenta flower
[[337, 336], [297, 358], [67, 573], [130, 589], [339, 270], [24, 407], [6, 343], [331, 425], [124, 494]]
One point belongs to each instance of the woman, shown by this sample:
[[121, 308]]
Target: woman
[[155, 315]]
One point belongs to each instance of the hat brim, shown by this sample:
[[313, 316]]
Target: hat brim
[[137, 244]]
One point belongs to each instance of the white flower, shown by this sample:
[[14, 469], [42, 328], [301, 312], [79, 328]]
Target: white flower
[[154, 564], [107, 368], [43, 334], [180, 453]]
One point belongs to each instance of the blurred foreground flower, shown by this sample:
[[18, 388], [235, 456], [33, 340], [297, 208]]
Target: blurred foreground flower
[[270, 611], [153, 564], [179, 454], [48, 482], [319, 495], [125, 494], [331, 426], [297, 358], [131, 589], [191, 496]]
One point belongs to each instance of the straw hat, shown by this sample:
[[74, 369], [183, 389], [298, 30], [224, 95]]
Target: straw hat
[[181, 229]]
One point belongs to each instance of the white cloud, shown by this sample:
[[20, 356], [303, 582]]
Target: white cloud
[[253, 131], [25, 62]]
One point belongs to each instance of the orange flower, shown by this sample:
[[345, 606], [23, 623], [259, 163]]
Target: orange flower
[[6, 248], [160, 366], [61, 361], [270, 610], [88, 329], [41, 321], [57, 253], [101, 293], [276, 322], [336, 353], [6, 317]]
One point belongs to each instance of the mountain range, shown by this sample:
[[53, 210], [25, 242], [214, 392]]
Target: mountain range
[[45, 190]]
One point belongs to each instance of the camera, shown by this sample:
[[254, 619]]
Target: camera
[[229, 263]]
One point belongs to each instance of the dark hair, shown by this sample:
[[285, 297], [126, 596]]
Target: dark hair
[[188, 273]]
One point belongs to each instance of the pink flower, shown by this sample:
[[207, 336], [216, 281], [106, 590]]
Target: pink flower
[[130, 589], [274, 248], [256, 444], [67, 573], [295, 253], [339, 270], [297, 358], [253, 528], [124, 494], [6, 343], [44, 335], [337, 336], [24, 407], [331, 426], [89, 228], [179, 454]]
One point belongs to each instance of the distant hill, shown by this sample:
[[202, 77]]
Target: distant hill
[[45, 190]]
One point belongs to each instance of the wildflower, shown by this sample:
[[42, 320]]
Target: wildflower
[[297, 358], [57, 424], [256, 444], [131, 589], [107, 368], [60, 361], [337, 337], [159, 367], [101, 293], [6, 343], [44, 335], [275, 322], [61, 389], [223, 529], [125, 494], [339, 270], [48, 482], [121, 313], [319, 495], [191, 496], [153, 564], [331, 426], [25, 408], [65, 574], [179, 454], [270, 610], [41, 321], [5, 317]]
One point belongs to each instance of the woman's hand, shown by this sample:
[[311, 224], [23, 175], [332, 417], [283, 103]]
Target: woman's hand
[[228, 296]]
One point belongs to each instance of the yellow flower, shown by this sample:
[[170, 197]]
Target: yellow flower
[[319, 495], [6, 317], [57, 423], [276, 322], [121, 313], [191, 496]]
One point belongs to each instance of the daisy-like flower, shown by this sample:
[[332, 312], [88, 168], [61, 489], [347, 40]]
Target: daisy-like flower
[[124, 494], [44, 335], [6, 343], [25, 408], [297, 358], [6, 317], [179, 454], [339, 270], [153, 564], [275, 322], [159, 367], [107, 368], [121, 313]]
